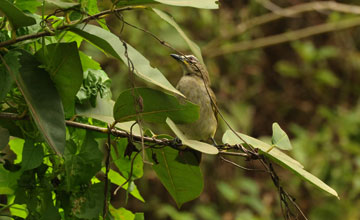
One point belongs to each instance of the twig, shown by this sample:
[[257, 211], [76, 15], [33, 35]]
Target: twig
[[53, 31], [107, 167], [285, 37], [288, 12]]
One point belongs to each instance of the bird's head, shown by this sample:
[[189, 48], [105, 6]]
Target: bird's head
[[191, 66]]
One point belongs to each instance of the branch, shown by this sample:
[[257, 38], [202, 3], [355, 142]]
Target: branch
[[284, 37], [278, 14], [52, 32], [119, 133]]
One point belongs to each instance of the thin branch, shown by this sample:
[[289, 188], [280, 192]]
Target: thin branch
[[284, 37], [137, 138], [287, 12], [54, 31], [107, 167]]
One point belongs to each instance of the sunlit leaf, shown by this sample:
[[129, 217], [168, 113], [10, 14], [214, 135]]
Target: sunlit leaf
[[278, 157], [178, 171], [280, 138], [62, 4], [41, 97], [8, 181], [111, 44], [194, 144], [206, 4], [156, 107], [117, 179], [16, 17]]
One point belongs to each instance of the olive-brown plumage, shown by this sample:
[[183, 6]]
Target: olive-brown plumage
[[192, 86]]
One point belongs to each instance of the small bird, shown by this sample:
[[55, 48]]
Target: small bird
[[192, 86]]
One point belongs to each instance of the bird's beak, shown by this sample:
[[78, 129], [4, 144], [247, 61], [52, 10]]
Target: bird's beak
[[179, 58]]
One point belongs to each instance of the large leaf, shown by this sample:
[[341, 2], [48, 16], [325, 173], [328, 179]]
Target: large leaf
[[4, 138], [32, 155], [194, 144], [5, 82], [28, 5], [193, 47], [206, 4], [178, 171], [82, 164], [156, 107], [111, 44], [278, 157], [62, 4], [93, 202], [16, 17], [62, 61], [41, 97], [125, 160]]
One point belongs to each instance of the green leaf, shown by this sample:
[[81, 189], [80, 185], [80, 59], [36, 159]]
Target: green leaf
[[62, 61], [17, 145], [103, 110], [5, 82], [280, 138], [41, 96], [179, 172], [4, 138], [278, 157], [156, 107], [28, 5], [88, 158], [32, 155], [196, 145], [111, 44], [96, 83], [8, 181], [206, 4], [117, 179], [16, 17], [88, 63], [121, 213], [61, 4], [125, 163], [90, 205], [193, 47]]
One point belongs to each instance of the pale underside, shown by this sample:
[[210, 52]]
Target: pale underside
[[194, 90]]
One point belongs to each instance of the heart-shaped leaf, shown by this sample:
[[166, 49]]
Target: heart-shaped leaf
[[280, 138], [178, 171], [156, 106]]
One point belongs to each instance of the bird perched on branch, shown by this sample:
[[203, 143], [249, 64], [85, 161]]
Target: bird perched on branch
[[195, 85]]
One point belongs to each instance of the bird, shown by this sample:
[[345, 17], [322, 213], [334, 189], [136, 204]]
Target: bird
[[195, 85]]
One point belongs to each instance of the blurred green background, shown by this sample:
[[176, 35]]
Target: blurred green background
[[310, 86]]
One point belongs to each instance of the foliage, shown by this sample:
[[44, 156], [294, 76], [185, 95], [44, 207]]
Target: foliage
[[65, 122]]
